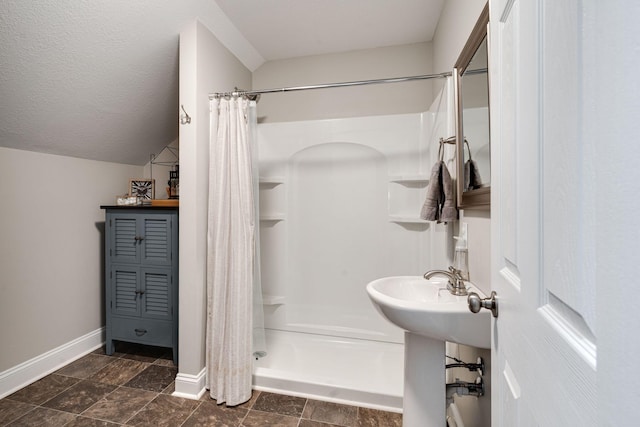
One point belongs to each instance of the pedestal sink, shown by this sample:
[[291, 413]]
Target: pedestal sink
[[430, 315]]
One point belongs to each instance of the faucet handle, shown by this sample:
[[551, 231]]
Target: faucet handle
[[457, 274], [457, 284]]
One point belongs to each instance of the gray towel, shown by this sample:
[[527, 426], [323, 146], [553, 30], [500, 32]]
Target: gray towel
[[449, 209], [472, 178], [431, 207], [439, 204]]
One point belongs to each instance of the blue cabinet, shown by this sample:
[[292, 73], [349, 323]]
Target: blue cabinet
[[141, 272]]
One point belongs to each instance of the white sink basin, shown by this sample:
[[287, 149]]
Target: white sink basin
[[427, 308]]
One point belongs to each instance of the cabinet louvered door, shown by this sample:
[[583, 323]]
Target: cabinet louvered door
[[156, 245], [125, 237], [125, 290], [156, 284]]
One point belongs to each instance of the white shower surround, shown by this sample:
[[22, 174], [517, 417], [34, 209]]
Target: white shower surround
[[339, 202]]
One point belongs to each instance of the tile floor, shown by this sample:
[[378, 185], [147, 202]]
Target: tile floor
[[133, 388]]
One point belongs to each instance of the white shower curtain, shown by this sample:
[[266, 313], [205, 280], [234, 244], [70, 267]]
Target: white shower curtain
[[233, 331]]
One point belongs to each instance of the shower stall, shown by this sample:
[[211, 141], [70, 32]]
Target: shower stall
[[339, 207]]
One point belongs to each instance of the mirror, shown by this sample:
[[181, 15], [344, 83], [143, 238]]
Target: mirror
[[471, 84]]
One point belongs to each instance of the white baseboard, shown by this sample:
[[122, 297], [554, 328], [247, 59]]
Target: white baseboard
[[191, 386], [40, 366]]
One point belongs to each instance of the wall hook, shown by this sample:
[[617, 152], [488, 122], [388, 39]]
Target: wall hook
[[184, 118]]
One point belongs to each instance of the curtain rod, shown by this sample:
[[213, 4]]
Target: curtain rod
[[329, 85]]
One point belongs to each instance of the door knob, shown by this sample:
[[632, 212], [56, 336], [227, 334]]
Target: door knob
[[476, 303]]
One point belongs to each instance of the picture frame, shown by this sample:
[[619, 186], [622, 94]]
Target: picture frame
[[142, 188]]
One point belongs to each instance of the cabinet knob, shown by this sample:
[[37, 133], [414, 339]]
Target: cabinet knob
[[138, 238], [140, 332]]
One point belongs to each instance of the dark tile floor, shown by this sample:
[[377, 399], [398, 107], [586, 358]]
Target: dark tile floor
[[133, 388]]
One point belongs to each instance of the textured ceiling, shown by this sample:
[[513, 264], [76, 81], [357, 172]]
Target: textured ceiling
[[99, 79]]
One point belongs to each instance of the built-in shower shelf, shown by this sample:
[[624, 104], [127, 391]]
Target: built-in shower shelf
[[407, 220], [271, 181], [272, 217], [273, 300], [409, 179]]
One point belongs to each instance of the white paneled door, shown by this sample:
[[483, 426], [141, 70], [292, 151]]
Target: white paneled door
[[543, 247]]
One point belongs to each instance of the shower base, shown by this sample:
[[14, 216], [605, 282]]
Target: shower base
[[333, 369]]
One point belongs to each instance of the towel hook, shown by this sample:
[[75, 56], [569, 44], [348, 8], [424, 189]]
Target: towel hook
[[184, 118]]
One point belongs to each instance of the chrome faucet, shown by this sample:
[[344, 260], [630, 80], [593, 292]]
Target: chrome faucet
[[455, 283]]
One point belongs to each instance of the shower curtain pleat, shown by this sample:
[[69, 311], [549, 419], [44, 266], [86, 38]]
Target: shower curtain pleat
[[230, 254]]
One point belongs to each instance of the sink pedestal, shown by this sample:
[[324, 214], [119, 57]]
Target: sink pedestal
[[430, 315], [424, 401]]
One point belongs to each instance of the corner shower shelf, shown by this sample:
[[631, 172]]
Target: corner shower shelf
[[273, 300], [272, 217], [271, 180], [407, 220], [409, 179]]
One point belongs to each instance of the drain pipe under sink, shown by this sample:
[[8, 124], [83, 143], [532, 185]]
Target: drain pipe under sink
[[454, 419]]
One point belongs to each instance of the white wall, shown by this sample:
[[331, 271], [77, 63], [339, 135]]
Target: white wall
[[51, 249], [205, 66], [612, 108], [397, 98], [456, 22]]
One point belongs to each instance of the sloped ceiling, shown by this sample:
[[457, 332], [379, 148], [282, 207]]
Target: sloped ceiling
[[99, 79]]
